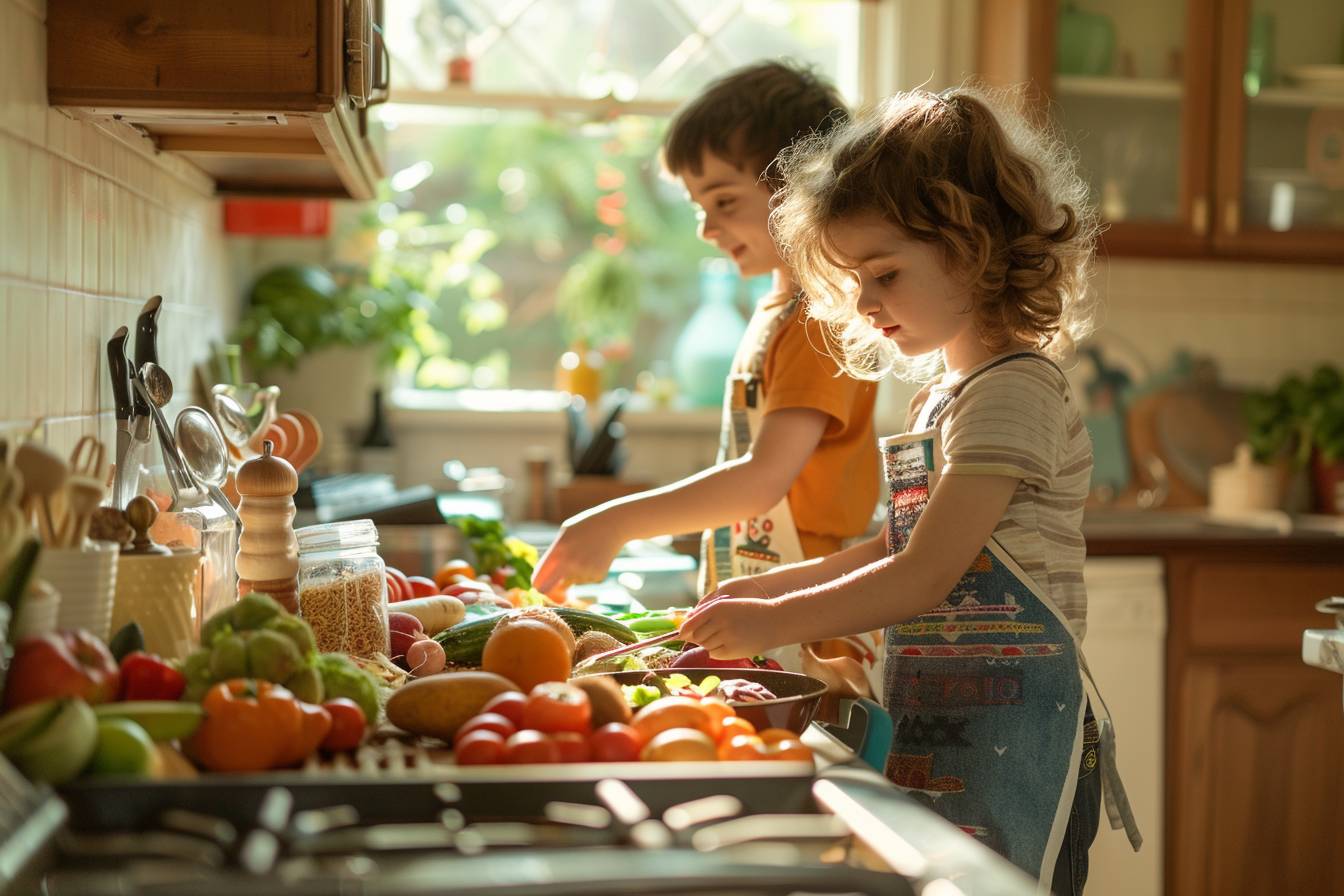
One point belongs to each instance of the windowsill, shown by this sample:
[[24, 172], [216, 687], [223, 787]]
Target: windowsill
[[532, 409]]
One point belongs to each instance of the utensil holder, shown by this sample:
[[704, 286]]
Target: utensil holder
[[86, 579], [157, 591], [37, 612]]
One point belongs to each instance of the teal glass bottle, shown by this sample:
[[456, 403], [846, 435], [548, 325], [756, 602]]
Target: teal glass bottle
[[703, 354]]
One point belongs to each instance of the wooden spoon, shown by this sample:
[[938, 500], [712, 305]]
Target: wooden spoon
[[85, 494], [44, 474]]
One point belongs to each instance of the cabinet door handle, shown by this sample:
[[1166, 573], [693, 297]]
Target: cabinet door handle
[[1199, 215], [1231, 216]]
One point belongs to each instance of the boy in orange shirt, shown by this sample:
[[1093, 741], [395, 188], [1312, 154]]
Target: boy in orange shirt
[[795, 426]]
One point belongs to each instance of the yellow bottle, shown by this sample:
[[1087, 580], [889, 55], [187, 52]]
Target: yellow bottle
[[577, 374]]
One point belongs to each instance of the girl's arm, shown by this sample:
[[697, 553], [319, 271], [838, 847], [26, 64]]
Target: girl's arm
[[796, 576], [723, 494], [959, 520]]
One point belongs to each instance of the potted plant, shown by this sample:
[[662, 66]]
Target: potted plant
[[1300, 424]]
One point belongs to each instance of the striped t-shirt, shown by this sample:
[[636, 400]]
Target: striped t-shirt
[[1020, 419]]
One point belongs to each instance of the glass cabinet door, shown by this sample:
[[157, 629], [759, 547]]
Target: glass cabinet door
[[1282, 183], [1121, 94]]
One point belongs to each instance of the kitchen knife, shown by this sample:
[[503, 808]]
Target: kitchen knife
[[125, 480], [598, 452], [146, 349]]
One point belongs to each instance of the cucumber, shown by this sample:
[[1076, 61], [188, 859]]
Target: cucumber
[[464, 643]]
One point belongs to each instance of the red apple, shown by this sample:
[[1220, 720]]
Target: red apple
[[422, 587], [61, 664]]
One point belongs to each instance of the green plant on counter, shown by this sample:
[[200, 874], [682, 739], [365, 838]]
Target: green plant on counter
[[1297, 417], [298, 309]]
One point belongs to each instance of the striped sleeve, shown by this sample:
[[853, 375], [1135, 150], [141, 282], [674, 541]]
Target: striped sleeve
[[1009, 422]]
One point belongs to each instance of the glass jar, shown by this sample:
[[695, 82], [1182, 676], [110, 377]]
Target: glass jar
[[343, 587]]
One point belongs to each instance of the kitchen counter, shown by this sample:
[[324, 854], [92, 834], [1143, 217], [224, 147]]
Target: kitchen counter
[[1159, 532]]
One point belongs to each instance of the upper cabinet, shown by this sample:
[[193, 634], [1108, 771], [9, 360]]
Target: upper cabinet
[[268, 98], [1204, 127]]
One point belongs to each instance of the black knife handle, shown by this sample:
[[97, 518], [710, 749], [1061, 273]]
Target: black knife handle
[[118, 369], [146, 344]]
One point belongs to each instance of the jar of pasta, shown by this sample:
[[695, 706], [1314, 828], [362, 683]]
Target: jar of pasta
[[342, 587]]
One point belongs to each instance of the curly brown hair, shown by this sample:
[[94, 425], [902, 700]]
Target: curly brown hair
[[749, 115], [964, 170]]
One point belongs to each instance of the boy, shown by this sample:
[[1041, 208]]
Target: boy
[[810, 426]]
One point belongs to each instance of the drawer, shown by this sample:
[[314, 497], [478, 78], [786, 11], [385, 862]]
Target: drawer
[[1256, 607]]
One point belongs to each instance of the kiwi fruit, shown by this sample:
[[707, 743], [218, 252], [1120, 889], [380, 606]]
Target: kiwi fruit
[[605, 697]]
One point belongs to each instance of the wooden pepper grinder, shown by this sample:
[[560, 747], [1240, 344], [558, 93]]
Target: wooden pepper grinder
[[268, 552]]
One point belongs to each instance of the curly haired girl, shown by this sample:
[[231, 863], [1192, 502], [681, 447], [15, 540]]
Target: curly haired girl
[[943, 238]]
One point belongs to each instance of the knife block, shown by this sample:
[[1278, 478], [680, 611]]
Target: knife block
[[584, 492]]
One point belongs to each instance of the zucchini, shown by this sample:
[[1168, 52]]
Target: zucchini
[[464, 643]]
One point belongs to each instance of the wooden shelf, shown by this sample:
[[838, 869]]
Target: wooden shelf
[[1118, 88], [1296, 97], [465, 97]]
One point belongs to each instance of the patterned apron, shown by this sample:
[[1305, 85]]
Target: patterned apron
[[756, 545], [986, 688]]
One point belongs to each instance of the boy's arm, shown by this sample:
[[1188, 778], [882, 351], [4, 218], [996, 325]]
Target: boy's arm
[[958, 522], [795, 576], [723, 494]]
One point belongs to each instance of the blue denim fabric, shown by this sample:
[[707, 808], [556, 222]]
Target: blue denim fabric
[[1084, 818]]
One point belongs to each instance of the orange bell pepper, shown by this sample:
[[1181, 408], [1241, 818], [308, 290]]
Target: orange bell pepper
[[314, 723], [249, 726]]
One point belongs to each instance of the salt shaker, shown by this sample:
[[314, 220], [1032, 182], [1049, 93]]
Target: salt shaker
[[268, 554]]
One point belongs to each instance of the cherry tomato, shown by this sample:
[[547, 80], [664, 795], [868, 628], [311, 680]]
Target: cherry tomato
[[742, 747], [486, 721], [530, 746], [788, 750], [422, 587], [458, 589], [479, 748], [735, 725], [500, 575], [556, 706], [615, 742], [572, 745], [456, 567], [719, 712], [774, 735], [509, 705], [398, 577], [347, 725]]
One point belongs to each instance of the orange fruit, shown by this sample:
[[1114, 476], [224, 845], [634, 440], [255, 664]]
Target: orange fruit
[[674, 712], [543, 615], [443, 576], [775, 735], [527, 652], [789, 750], [733, 726], [719, 712], [680, 745], [741, 748]]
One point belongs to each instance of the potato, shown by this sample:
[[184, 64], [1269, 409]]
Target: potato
[[436, 706]]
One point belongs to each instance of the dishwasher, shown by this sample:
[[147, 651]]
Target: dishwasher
[[1125, 647]]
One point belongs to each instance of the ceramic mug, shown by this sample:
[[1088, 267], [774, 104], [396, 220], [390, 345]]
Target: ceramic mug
[[155, 591], [85, 578]]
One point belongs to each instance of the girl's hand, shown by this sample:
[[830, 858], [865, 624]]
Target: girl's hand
[[739, 586], [732, 627], [582, 552]]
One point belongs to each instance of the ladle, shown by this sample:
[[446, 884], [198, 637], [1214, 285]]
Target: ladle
[[205, 455], [156, 387]]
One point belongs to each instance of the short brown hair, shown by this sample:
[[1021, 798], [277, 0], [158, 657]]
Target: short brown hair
[[748, 116], [964, 170]]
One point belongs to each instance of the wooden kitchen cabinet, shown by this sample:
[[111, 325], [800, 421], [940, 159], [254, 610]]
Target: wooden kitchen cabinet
[[1254, 795], [265, 97], [1211, 128]]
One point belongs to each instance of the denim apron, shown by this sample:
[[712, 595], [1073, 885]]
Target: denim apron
[[986, 689], [759, 544]]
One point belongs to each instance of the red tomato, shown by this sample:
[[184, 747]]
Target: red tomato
[[458, 589], [422, 587], [347, 725], [573, 746], [509, 705], [557, 706], [402, 583], [479, 748], [790, 750], [615, 742], [742, 747], [530, 746], [500, 575], [734, 725], [775, 735], [456, 567], [486, 721]]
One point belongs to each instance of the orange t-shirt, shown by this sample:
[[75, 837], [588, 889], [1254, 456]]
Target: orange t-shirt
[[834, 496]]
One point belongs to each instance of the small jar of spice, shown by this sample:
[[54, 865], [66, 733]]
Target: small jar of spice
[[343, 587]]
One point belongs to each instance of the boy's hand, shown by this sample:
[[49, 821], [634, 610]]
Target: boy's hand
[[731, 627], [582, 552]]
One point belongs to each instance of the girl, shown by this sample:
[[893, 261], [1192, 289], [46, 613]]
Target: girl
[[942, 238]]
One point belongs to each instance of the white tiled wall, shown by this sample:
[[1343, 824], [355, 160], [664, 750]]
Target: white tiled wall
[[91, 226]]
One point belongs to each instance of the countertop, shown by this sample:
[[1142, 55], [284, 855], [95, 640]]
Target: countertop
[[1131, 531]]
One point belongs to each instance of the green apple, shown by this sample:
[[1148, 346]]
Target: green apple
[[124, 748]]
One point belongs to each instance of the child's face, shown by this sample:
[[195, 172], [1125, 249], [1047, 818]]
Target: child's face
[[903, 288], [734, 211]]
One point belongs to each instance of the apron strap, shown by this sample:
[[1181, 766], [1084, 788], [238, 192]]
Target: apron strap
[[1118, 810]]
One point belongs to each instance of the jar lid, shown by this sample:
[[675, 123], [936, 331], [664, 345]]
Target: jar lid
[[337, 536], [267, 476]]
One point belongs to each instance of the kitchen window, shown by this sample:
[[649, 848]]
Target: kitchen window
[[525, 211]]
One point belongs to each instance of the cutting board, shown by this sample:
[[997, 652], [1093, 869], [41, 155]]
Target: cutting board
[[1190, 428]]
